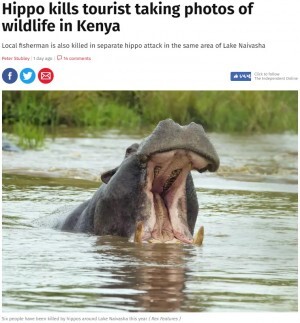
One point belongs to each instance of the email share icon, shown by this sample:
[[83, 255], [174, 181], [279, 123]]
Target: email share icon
[[45, 75]]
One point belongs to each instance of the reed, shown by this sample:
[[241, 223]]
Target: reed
[[30, 136], [30, 113]]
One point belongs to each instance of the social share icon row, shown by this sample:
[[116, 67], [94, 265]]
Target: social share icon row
[[27, 75]]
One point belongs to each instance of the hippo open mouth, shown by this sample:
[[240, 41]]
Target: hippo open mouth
[[166, 190], [167, 170]]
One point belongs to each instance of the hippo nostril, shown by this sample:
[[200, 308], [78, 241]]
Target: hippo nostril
[[211, 167]]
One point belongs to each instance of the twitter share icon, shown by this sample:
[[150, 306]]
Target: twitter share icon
[[27, 75]]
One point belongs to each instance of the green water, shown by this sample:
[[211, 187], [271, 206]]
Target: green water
[[248, 261]]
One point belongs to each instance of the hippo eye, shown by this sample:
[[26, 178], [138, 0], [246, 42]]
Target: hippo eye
[[144, 158]]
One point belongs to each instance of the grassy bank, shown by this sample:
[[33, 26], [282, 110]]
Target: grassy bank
[[28, 113]]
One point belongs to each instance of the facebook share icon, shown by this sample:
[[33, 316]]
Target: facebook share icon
[[9, 75], [27, 75]]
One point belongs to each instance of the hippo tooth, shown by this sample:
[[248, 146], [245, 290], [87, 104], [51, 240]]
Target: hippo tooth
[[139, 230], [175, 173], [154, 241], [198, 239], [156, 170]]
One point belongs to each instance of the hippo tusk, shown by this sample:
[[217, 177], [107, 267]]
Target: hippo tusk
[[139, 231], [198, 239]]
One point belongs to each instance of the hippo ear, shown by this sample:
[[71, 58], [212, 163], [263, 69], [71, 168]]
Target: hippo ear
[[131, 150], [106, 176]]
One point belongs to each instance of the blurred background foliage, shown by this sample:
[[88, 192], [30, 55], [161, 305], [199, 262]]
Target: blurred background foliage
[[32, 114]]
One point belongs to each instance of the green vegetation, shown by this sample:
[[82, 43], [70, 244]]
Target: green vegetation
[[30, 114]]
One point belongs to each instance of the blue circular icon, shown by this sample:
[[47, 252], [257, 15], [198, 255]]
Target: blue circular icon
[[27, 75], [9, 75]]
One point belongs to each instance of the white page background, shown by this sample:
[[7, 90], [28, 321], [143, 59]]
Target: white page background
[[275, 23]]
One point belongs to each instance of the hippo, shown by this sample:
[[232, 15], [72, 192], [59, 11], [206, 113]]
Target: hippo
[[8, 146], [151, 196]]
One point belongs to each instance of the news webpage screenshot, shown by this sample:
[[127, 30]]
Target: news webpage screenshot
[[149, 160]]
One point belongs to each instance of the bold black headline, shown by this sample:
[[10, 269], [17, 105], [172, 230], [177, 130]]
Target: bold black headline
[[29, 18]]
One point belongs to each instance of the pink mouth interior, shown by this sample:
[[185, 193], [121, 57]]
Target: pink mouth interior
[[166, 191]]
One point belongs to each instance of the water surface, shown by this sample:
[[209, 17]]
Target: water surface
[[248, 261]]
